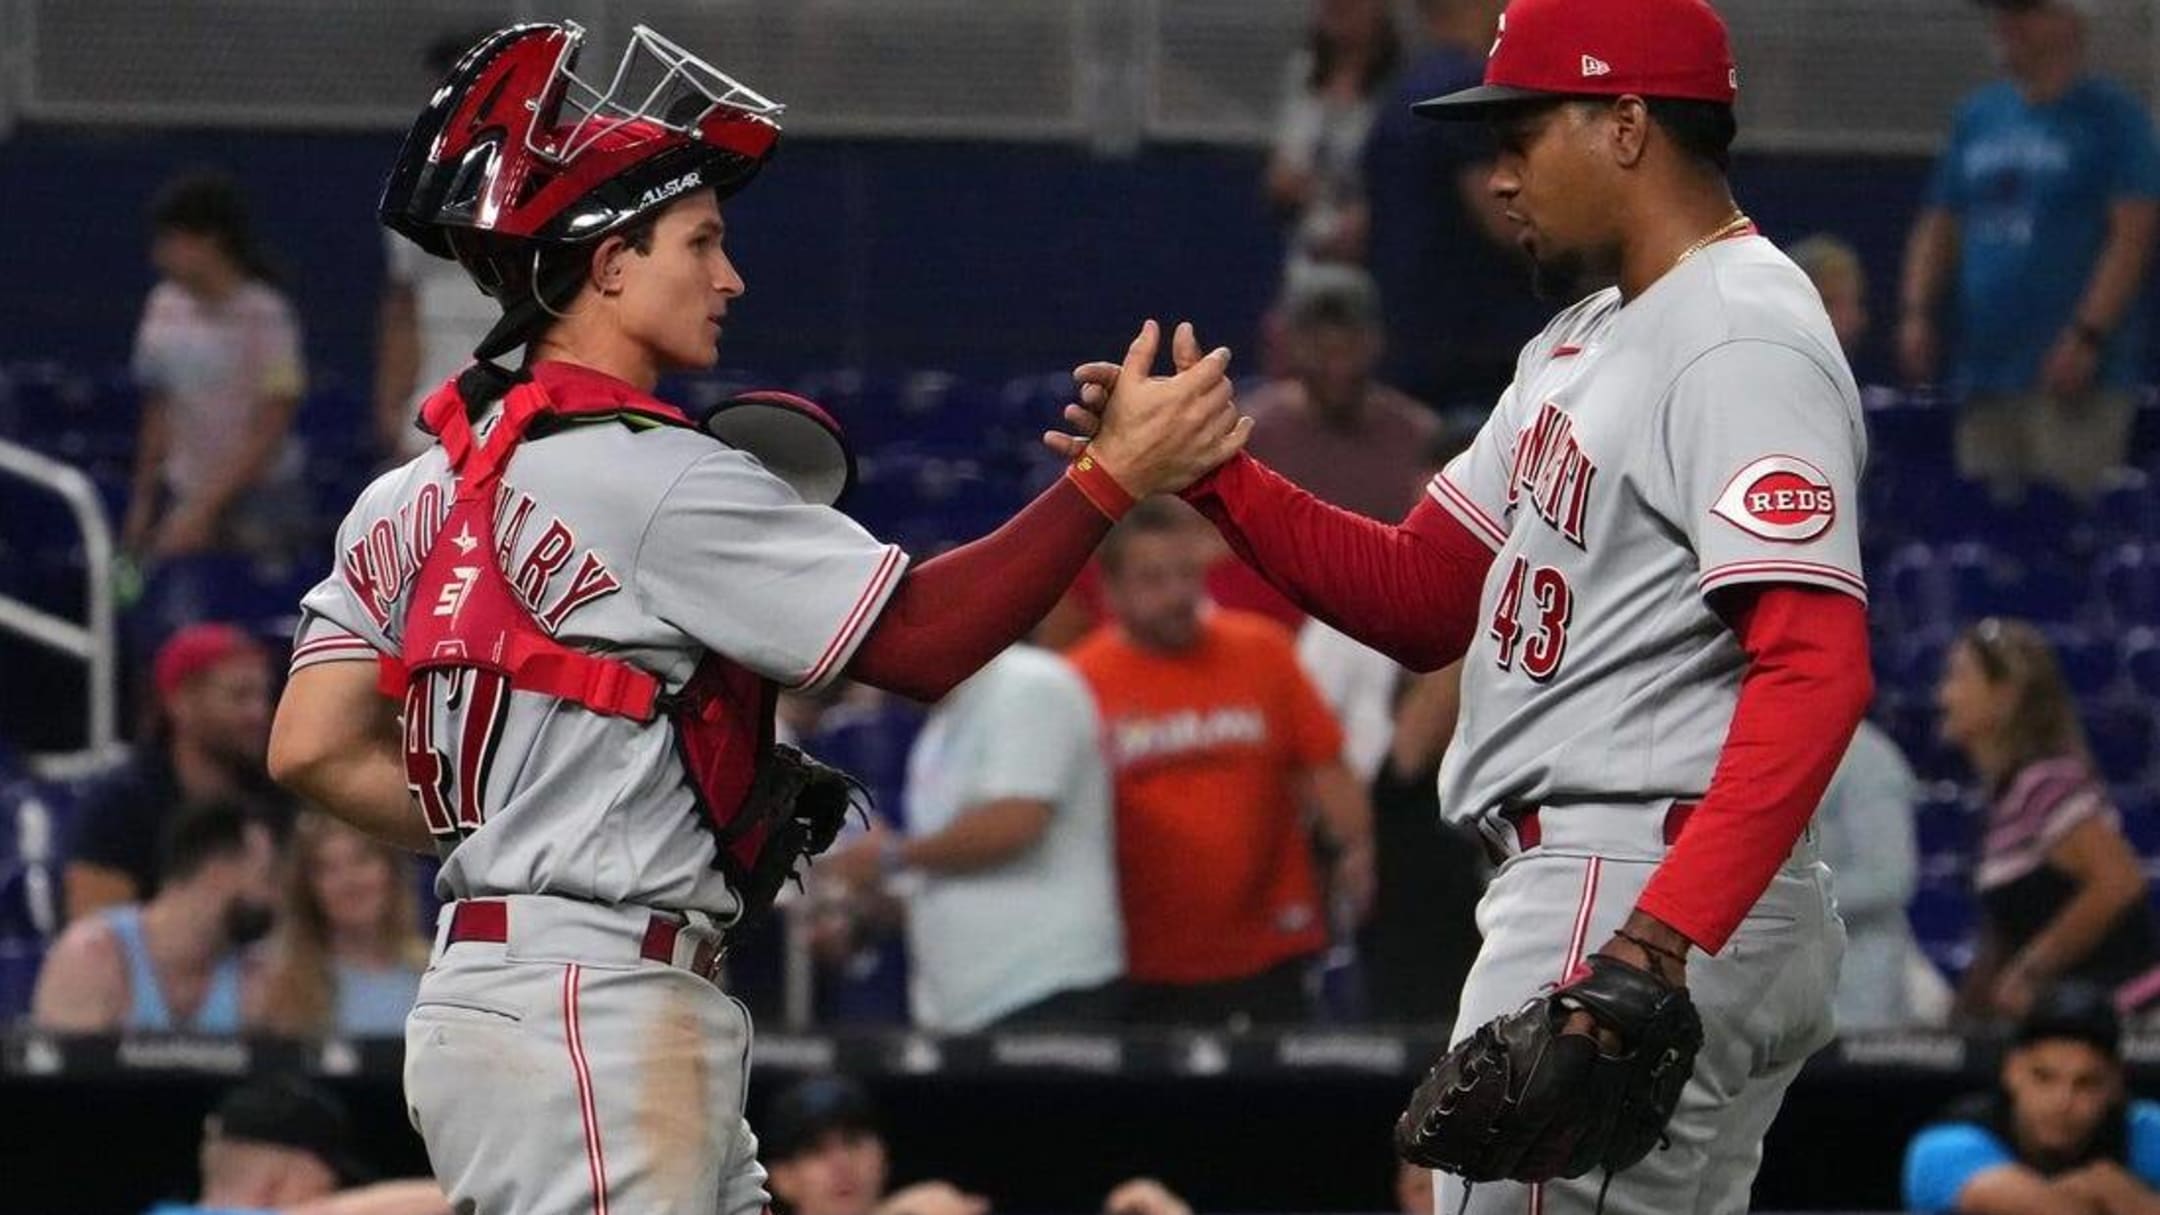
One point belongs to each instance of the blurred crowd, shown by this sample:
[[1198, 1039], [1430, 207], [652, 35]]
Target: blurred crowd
[[1182, 803]]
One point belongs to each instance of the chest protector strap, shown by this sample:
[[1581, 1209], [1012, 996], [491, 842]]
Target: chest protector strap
[[769, 807], [465, 614]]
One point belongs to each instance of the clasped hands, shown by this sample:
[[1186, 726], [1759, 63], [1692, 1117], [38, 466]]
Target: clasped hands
[[1154, 433]]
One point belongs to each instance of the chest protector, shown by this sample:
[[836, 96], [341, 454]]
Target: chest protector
[[767, 805]]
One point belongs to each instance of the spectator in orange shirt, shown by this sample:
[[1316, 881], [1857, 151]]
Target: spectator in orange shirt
[[1218, 743]]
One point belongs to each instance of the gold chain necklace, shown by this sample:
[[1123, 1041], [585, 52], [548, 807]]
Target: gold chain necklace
[[1738, 222]]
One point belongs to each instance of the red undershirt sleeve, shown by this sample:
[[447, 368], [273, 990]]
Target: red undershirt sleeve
[[958, 610], [1806, 688], [1409, 590]]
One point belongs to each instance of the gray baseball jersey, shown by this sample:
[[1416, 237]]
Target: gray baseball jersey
[[1705, 435], [648, 545]]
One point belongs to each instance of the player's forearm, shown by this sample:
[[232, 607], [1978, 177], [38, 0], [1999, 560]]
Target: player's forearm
[[2120, 272], [365, 788], [1805, 691], [336, 742], [1408, 590], [1928, 254], [958, 610]]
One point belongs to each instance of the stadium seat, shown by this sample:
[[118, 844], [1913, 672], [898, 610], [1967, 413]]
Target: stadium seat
[[1945, 823], [2128, 583], [2128, 508], [2122, 740], [2089, 661], [2140, 810], [2141, 661]]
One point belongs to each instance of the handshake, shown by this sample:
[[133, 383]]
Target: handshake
[[1155, 434]]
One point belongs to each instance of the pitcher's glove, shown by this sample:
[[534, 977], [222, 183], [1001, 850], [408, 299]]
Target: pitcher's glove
[[1522, 1100]]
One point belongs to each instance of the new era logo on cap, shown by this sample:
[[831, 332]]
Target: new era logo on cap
[[1651, 48]]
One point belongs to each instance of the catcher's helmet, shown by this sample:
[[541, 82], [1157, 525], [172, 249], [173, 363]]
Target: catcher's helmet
[[516, 155]]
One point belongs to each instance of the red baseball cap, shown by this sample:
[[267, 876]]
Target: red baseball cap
[[194, 650], [1599, 48]]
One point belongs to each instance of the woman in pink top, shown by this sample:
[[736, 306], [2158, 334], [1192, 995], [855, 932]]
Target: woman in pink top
[[218, 358], [2062, 893]]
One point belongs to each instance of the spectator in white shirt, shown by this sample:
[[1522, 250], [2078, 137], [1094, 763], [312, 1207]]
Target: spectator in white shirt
[[1007, 868]]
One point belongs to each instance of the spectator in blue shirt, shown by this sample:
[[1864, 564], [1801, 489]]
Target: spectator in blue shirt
[[2060, 1137], [1454, 285], [2043, 209]]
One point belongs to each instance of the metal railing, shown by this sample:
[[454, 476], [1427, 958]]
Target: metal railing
[[92, 642]]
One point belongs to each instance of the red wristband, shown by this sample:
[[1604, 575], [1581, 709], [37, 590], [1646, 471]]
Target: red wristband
[[1100, 488]]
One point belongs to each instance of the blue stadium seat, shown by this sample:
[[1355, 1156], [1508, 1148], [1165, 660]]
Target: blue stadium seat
[[2089, 660], [1945, 823], [2128, 508], [2122, 740], [2127, 583], [2141, 661], [2140, 809], [1906, 428], [1942, 915], [1917, 587]]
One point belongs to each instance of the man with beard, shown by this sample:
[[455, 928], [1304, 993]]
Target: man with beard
[[2059, 1137], [213, 690], [173, 964], [1649, 564]]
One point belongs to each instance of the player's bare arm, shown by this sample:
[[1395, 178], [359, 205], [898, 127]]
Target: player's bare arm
[[335, 742]]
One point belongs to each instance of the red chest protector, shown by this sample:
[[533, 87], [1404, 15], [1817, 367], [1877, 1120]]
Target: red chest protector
[[466, 623]]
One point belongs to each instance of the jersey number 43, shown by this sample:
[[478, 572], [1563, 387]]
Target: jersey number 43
[[1541, 643], [453, 722]]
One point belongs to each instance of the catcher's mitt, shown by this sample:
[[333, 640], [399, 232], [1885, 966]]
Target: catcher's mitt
[[1520, 1100], [801, 804]]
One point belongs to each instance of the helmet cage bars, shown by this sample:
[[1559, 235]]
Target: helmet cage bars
[[683, 90]]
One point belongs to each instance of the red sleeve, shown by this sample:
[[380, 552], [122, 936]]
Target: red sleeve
[[1806, 687], [958, 610], [1409, 590]]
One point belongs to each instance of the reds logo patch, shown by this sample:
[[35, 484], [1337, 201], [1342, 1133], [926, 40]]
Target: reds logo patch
[[1781, 498]]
